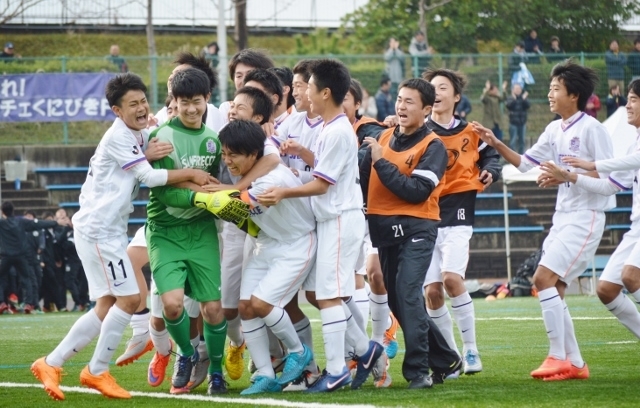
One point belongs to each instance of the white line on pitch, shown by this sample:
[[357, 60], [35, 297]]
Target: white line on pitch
[[221, 400]]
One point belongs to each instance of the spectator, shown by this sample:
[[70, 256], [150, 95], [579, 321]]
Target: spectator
[[384, 103], [368, 106], [614, 100], [515, 58], [593, 106], [8, 52], [35, 245], [115, 58], [555, 53], [533, 45], [54, 296], [463, 109], [421, 53], [615, 61], [394, 58], [633, 60], [210, 52], [517, 104], [491, 98]]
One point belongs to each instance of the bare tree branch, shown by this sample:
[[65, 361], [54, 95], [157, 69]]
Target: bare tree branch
[[435, 5], [16, 8]]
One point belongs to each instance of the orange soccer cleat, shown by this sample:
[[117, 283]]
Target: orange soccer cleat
[[49, 376], [551, 366], [104, 383]]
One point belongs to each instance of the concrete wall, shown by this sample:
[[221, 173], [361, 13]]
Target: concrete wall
[[50, 155]]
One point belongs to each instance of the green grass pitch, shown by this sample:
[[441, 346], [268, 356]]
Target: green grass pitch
[[511, 338]]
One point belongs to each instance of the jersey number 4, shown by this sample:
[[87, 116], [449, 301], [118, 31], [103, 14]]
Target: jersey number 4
[[113, 269]]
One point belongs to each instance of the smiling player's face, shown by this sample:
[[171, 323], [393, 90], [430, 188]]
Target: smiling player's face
[[133, 110], [238, 164]]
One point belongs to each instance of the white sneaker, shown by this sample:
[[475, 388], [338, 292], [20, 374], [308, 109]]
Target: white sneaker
[[136, 347], [471, 362], [304, 382], [454, 375], [201, 369], [381, 376]]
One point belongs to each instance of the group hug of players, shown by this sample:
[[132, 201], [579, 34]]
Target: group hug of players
[[292, 150]]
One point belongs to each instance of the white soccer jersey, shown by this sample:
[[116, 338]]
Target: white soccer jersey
[[336, 161], [215, 120], [224, 109], [304, 131], [585, 138], [115, 170], [289, 219]]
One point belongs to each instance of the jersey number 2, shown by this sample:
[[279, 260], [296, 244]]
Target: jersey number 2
[[113, 270]]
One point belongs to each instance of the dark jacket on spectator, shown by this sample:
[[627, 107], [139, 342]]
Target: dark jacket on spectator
[[13, 241], [517, 108], [633, 62]]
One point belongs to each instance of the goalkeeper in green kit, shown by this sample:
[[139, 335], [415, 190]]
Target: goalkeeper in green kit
[[181, 233]]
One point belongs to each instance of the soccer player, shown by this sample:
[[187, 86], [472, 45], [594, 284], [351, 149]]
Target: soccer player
[[269, 83], [182, 240], [402, 174], [579, 219], [286, 254], [472, 166], [623, 268], [337, 206], [115, 170], [286, 77]]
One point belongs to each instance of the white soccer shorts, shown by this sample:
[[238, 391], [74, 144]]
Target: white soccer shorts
[[450, 254], [627, 253]]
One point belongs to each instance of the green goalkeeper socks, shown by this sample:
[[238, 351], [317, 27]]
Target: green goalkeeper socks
[[179, 331], [215, 337]]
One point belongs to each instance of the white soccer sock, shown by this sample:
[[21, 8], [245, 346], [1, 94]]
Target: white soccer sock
[[355, 337], [334, 325], [280, 324], [553, 316], [275, 348], [161, 340], [636, 296], [234, 333], [255, 334], [195, 341], [379, 316], [625, 310], [140, 323], [303, 329], [442, 318], [570, 342], [361, 298], [83, 331], [110, 335], [465, 316]]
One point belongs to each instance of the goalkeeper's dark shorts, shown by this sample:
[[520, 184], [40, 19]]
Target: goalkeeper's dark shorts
[[185, 257]]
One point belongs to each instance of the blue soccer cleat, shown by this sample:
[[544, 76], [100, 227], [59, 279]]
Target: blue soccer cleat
[[261, 385], [294, 365], [366, 363], [329, 383]]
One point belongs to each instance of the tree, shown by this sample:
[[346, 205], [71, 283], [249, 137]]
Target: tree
[[15, 9], [241, 34]]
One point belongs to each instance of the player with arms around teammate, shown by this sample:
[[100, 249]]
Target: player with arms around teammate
[[401, 180], [337, 205], [183, 240], [579, 219], [115, 171], [623, 268], [472, 166]]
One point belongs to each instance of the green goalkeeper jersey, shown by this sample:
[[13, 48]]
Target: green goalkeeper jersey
[[195, 149]]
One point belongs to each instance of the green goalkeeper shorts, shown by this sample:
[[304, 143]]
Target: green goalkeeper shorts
[[185, 257]]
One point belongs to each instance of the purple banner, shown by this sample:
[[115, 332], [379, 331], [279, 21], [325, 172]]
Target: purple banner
[[54, 97]]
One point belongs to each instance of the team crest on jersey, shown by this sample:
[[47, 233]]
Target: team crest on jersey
[[574, 145], [211, 146]]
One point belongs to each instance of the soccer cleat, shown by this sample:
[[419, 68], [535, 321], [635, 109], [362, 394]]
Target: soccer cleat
[[136, 347], [438, 376], [158, 369], [217, 384], [261, 385], [233, 360], [471, 363], [104, 383], [551, 366], [352, 365], [49, 376], [390, 341], [330, 383], [302, 383], [366, 363], [276, 363], [421, 382], [182, 370], [454, 375], [13, 298], [201, 369], [176, 391], [574, 373], [294, 365], [381, 376]]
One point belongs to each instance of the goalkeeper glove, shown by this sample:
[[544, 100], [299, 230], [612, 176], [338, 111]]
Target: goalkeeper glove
[[249, 227], [224, 205]]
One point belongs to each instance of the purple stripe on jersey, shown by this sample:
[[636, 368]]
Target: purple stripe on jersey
[[564, 129], [275, 141], [133, 163], [252, 197], [334, 119], [324, 177], [312, 125], [618, 184], [531, 159]]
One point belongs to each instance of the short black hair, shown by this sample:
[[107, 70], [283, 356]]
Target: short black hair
[[189, 83], [456, 78], [355, 89], [286, 77], [7, 208], [251, 57], [425, 89], [384, 80], [243, 137], [198, 62], [260, 102], [334, 75], [31, 213], [634, 87], [580, 81], [119, 85], [303, 68], [268, 80]]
